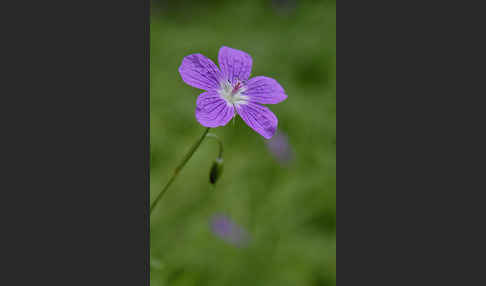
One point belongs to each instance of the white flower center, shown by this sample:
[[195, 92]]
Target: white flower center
[[233, 94]]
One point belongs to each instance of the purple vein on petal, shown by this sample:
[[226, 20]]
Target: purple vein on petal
[[260, 118]]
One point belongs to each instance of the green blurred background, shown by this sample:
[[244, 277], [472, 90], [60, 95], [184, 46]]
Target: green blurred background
[[289, 211]]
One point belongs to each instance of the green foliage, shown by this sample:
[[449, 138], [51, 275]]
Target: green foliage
[[288, 211]]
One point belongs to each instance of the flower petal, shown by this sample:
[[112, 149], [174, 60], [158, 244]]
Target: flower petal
[[200, 72], [212, 110], [264, 90], [234, 64], [259, 118]]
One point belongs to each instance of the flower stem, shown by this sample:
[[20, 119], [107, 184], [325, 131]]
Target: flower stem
[[220, 154], [178, 169]]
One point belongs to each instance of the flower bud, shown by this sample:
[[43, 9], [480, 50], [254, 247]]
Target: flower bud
[[216, 170]]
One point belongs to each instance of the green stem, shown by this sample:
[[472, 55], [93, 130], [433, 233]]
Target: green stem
[[220, 155], [178, 169]]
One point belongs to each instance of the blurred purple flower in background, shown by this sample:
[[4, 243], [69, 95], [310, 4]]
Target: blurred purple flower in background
[[223, 227], [280, 148]]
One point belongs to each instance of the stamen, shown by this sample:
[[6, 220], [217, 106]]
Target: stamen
[[236, 88], [233, 94]]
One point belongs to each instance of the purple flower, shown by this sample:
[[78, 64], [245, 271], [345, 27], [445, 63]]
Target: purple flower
[[227, 230], [280, 148], [229, 91]]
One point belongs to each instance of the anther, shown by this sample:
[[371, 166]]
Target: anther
[[236, 87]]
